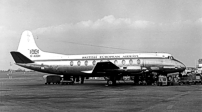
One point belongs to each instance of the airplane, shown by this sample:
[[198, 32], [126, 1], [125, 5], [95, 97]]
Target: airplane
[[111, 66]]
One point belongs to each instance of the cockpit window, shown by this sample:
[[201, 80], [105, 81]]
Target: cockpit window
[[170, 57]]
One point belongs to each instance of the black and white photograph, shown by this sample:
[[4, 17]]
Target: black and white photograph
[[100, 55]]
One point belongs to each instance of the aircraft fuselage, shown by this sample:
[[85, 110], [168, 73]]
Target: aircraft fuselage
[[128, 66]]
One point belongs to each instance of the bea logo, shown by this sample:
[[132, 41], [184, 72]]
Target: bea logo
[[34, 51]]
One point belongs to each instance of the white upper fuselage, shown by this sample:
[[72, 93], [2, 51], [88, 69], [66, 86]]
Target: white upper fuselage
[[60, 59], [53, 56]]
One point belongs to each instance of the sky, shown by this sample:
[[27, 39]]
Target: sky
[[120, 26]]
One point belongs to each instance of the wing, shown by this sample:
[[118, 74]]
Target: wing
[[109, 67], [103, 67]]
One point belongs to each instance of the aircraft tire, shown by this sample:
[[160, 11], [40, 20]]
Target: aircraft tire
[[109, 82]]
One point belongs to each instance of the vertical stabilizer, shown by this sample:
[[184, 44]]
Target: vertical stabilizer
[[27, 45]]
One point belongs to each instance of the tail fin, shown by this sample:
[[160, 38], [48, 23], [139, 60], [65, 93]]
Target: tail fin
[[27, 46], [19, 58], [29, 49]]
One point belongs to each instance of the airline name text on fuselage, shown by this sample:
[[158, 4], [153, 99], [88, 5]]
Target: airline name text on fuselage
[[112, 56]]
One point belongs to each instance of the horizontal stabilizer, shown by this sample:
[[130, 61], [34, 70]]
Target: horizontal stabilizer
[[20, 58]]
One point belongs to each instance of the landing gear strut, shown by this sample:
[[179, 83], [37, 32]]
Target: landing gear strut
[[136, 80], [82, 80], [67, 80], [78, 79]]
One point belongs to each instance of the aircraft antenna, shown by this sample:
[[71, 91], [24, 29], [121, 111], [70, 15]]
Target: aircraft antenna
[[99, 46]]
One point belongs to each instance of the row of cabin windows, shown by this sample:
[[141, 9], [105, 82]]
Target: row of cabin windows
[[94, 62]]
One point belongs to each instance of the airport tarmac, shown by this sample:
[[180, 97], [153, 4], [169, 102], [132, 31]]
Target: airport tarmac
[[26, 92]]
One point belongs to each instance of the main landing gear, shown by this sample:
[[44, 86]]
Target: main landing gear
[[78, 79], [72, 80], [82, 79], [67, 80], [111, 81]]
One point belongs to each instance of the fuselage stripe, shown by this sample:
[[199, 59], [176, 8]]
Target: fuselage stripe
[[99, 59]]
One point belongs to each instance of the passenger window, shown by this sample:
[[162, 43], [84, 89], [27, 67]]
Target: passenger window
[[79, 63], [71, 63], [131, 61], [86, 62], [138, 61], [123, 62], [94, 62], [115, 62]]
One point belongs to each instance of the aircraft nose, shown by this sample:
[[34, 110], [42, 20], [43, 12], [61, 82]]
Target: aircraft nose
[[183, 67]]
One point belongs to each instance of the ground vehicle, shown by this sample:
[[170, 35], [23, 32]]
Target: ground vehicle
[[54, 79], [57, 79], [162, 80], [165, 81], [65, 82], [196, 78], [191, 78]]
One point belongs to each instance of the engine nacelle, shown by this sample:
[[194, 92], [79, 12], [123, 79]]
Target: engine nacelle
[[132, 69]]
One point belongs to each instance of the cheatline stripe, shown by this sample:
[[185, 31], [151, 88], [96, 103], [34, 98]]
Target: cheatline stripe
[[99, 59]]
